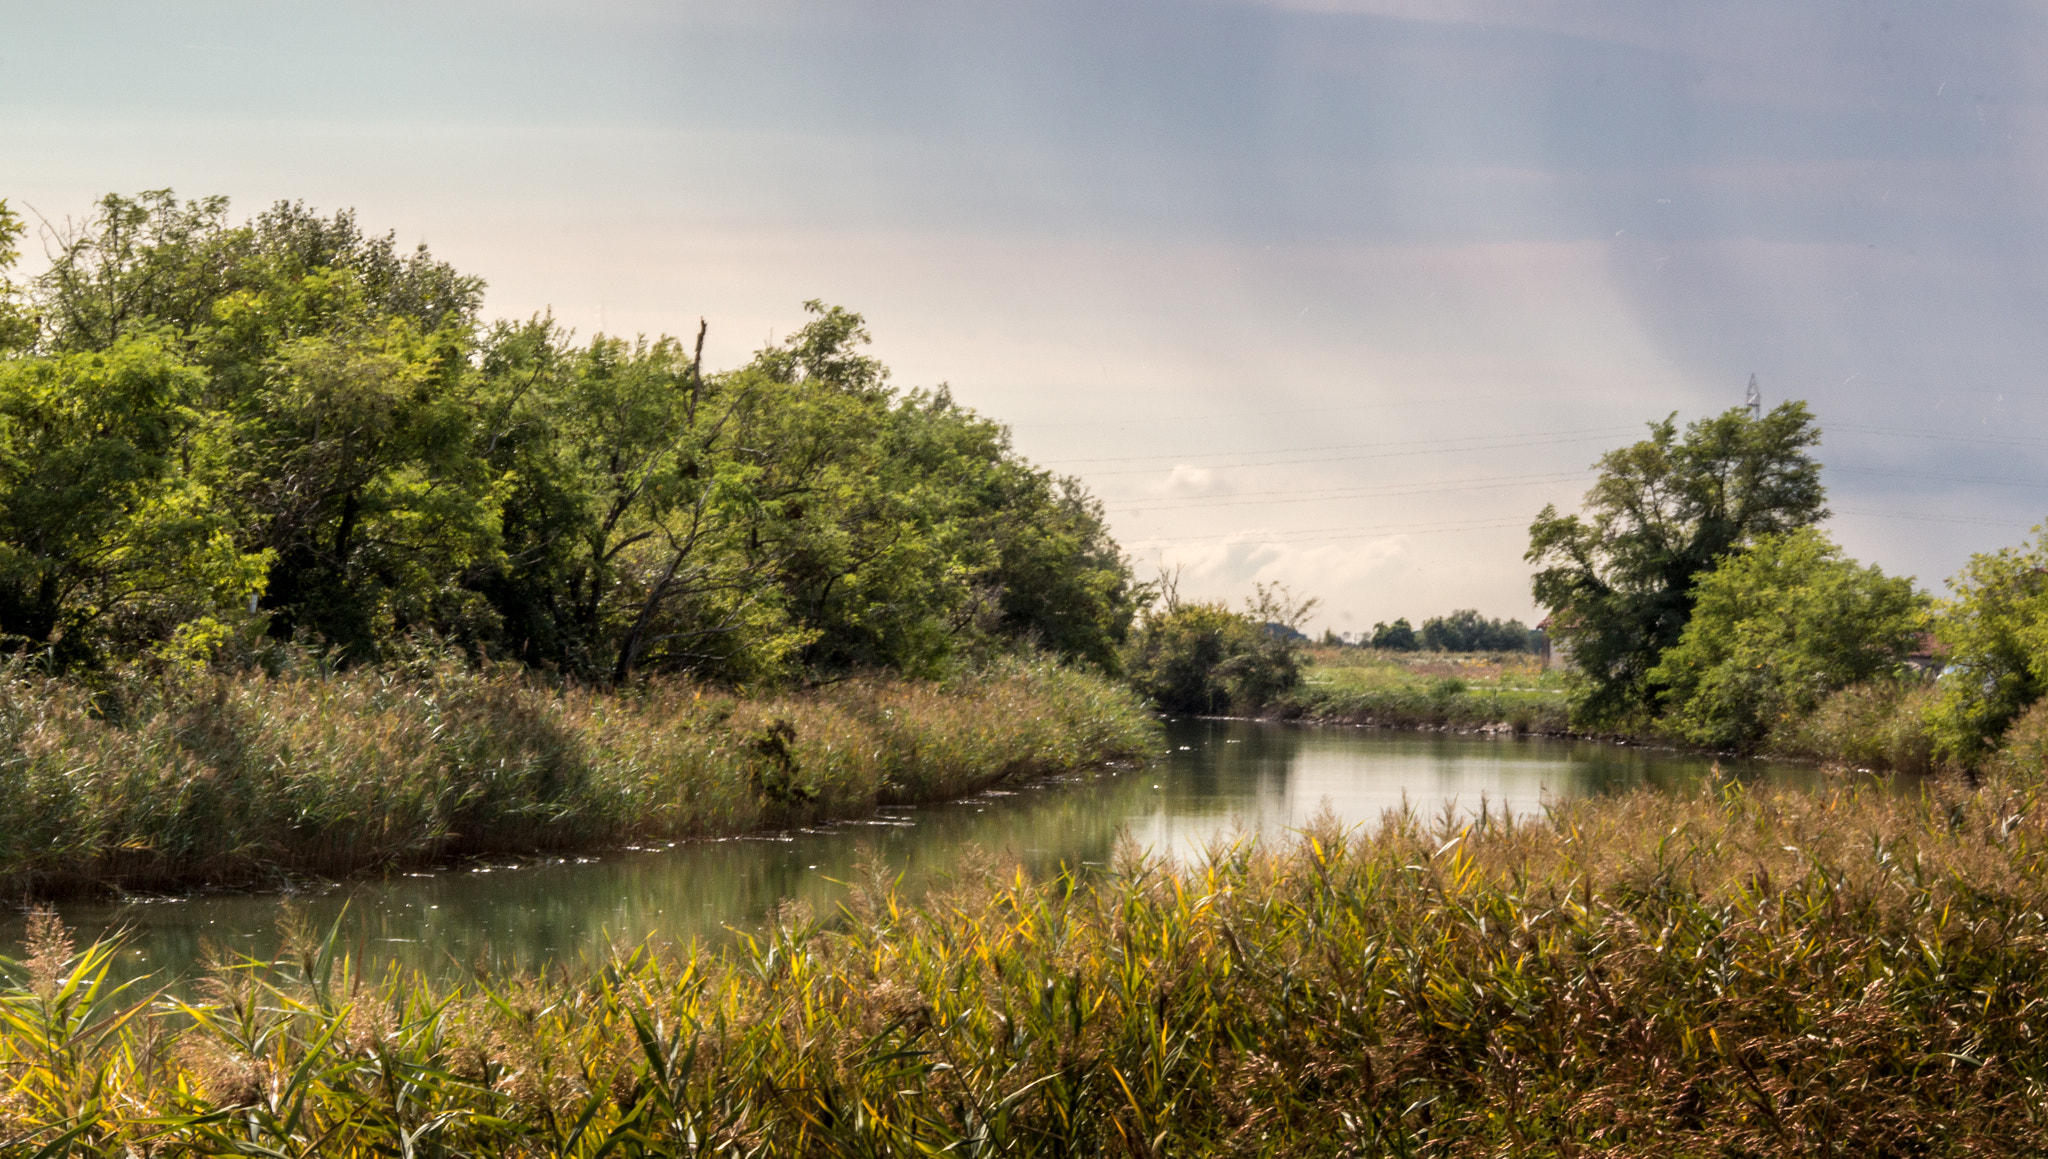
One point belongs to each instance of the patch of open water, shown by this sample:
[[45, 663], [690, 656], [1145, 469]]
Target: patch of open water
[[1219, 779]]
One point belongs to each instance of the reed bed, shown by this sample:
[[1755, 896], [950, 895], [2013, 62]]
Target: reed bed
[[218, 779], [1738, 972]]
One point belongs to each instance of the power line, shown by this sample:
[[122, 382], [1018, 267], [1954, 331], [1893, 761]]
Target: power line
[[1595, 432], [1308, 535], [2002, 482], [1384, 405], [1540, 442], [1924, 518], [1905, 434], [1237, 499]]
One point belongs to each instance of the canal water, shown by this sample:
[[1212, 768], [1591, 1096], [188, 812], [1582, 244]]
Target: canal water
[[1219, 780]]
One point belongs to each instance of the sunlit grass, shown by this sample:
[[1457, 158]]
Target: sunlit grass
[[1738, 972]]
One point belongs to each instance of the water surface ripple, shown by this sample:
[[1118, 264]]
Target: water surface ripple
[[1219, 780]]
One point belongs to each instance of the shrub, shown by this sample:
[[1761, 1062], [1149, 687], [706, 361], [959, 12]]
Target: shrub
[[1774, 629], [1996, 629], [1205, 658], [1880, 724]]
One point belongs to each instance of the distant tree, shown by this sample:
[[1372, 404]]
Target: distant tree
[[1776, 628], [1466, 630], [1995, 627], [1398, 636], [1619, 579]]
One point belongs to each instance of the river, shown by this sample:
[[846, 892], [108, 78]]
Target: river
[[1219, 780]]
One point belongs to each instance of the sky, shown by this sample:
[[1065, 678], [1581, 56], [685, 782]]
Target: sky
[[1333, 293]]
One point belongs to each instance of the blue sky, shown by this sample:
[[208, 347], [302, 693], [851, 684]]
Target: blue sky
[[1337, 294]]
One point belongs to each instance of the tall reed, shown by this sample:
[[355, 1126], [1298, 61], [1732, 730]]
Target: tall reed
[[231, 778], [1740, 972]]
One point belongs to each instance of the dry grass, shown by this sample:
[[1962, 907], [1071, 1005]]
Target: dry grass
[[225, 779], [1881, 726], [1735, 973]]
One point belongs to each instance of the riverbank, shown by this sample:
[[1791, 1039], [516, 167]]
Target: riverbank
[[1882, 726], [228, 780], [1739, 971], [1505, 692]]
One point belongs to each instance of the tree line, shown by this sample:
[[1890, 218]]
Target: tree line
[[1464, 630], [1696, 594], [217, 433]]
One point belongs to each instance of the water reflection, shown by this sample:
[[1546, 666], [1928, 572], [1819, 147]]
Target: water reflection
[[1219, 778]]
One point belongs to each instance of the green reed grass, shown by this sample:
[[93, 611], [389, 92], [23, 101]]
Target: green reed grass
[[219, 778], [1739, 972]]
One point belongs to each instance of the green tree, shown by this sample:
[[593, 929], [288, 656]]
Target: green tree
[[17, 328], [1465, 630], [1995, 627], [1398, 636], [1206, 658], [1619, 579], [103, 533], [328, 410], [1774, 629]]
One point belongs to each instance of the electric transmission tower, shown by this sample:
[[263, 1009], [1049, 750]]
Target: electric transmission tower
[[1754, 400]]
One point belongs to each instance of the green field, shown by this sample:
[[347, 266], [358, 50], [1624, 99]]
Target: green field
[[1428, 690]]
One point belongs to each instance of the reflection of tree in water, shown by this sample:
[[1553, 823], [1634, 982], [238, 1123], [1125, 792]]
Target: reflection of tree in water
[[569, 912]]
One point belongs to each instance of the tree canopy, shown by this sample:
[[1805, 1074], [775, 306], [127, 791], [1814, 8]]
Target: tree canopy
[[1995, 628], [1776, 628], [1619, 580], [1465, 630], [287, 427]]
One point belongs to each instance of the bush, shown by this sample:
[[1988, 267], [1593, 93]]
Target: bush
[[1880, 724], [1996, 630], [1774, 629], [1205, 658]]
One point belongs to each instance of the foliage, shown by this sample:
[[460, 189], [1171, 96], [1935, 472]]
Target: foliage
[[1398, 636], [1742, 972], [17, 329], [1466, 630], [168, 781], [1206, 658], [1619, 579], [1774, 629], [1880, 725], [1995, 627], [291, 409]]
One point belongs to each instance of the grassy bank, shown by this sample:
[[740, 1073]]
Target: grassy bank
[[219, 779], [1742, 972], [1427, 690]]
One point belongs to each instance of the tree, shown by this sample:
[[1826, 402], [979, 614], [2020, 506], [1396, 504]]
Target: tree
[[1774, 629], [1398, 636], [1465, 630], [100, 522], [295, 396], [17, 328], [1995, 626], [1619, 579], [1206, 658]]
